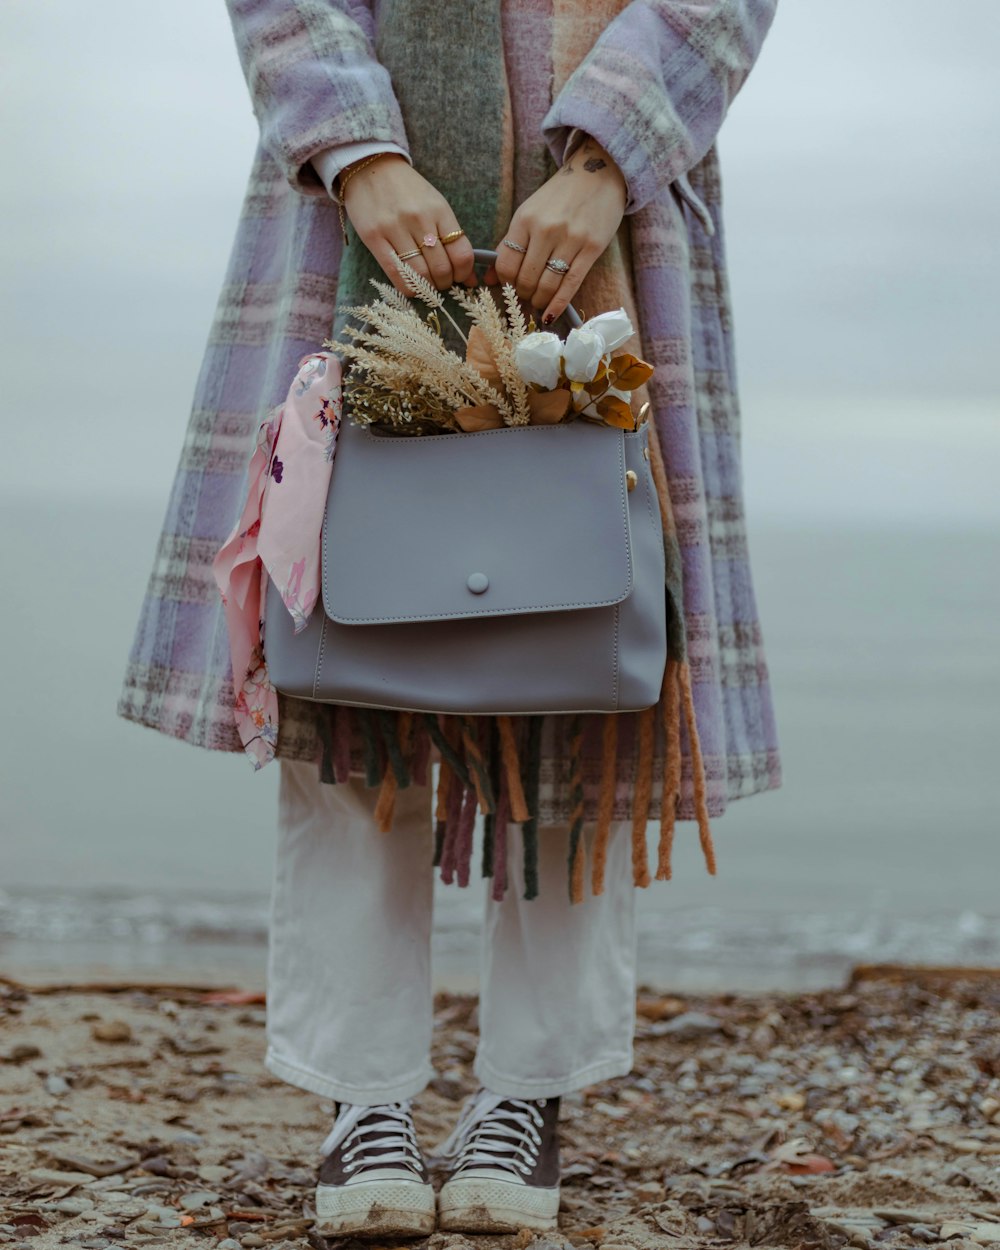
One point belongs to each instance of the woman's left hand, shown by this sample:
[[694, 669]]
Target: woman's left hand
[[573, 216]]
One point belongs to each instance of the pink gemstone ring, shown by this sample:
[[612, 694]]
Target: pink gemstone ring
[[429, 240]]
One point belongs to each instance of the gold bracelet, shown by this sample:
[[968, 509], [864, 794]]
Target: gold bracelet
[[342, 179]]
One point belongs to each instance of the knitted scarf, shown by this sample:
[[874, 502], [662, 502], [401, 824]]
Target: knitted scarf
[[460, 130]]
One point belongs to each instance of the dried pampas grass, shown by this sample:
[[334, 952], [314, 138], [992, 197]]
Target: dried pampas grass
[[402, 374]]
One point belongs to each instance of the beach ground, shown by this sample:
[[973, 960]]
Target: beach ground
[[864, 1116]]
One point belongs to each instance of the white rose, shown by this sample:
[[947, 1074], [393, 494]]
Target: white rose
[[537, 358], [582, 353], [614, 327]]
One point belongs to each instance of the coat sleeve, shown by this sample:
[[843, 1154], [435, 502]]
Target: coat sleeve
[[656, 85], [314, 80]]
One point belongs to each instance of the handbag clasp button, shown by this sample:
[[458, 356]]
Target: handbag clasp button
[[478, 583]]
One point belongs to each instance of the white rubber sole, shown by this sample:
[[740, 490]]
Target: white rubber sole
[[470, 1204], [382, 1208]]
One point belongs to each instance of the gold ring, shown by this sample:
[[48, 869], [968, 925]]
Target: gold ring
[[407, 255], [451, 236]]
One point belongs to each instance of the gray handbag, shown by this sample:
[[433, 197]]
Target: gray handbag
[[512, 571]]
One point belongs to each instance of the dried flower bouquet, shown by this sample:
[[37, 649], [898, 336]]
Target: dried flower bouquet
[[404, 379]]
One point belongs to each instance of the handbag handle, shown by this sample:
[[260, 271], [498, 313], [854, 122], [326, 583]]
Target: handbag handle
[[484, 254]]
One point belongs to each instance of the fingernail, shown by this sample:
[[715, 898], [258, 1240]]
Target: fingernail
[[548, 319]]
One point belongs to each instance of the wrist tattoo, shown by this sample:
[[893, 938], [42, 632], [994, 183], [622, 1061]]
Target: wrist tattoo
[[591, 164]]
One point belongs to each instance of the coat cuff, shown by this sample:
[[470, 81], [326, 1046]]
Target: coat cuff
[[331, 161]]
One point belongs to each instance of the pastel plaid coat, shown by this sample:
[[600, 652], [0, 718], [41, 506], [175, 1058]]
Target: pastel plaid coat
[[652, 81]]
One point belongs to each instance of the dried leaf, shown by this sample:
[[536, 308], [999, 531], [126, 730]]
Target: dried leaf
[[549, 407], [628, 371], [479, 354], [616, 412], [480, 417]]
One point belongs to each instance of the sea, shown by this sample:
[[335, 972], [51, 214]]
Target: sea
[[127, 856]]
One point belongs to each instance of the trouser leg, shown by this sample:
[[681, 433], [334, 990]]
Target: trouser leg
[[557, 985], [350, 1007]]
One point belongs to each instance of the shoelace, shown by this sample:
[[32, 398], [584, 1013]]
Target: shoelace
[[492, 1135], [386, 1136]]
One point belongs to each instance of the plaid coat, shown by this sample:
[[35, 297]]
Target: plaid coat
[[651, 80]]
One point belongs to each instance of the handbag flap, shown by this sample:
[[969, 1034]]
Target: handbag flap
[[431, 527]]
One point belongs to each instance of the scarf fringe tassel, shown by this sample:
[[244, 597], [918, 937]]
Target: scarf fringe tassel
[[493, 765]]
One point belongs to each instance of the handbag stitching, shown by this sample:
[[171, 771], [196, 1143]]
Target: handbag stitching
[[319, 656], [520, 610]]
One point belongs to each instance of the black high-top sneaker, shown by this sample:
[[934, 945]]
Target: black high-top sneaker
[[374, 1182], [504, 1156]]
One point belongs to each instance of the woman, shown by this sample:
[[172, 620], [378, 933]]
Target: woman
[[552, 130]]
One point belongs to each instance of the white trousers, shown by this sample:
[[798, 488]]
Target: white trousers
[[350, 1008]]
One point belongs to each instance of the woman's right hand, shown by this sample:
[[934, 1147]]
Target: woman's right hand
[[392, 207]]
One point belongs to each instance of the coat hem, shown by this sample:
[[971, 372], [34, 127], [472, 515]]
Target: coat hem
[[738, 788]]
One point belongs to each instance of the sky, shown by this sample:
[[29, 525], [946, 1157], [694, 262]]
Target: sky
[[861, 187]]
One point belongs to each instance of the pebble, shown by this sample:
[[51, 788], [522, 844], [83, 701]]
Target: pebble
[[227, 1243], [187, 1138], [93, 1243], [611, 1111], [972, 1146], [791, 1101], [651, 1191], [155, 1212], [989, 1107], [158, 1165], [50, 1176], [158, 1225], [922, 1233], [57, 1086], [21, 1053], [980, 1233], [688, 1026], [252, 1241], [763, 1037], [69, 1206], [214, 1173], [111, 1031], [198, 1198]]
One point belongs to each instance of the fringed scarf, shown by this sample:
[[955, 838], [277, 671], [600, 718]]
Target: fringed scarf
[[466, 137]]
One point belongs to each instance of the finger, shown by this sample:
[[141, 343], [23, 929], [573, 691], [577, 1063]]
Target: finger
[[401, 242], [570, 283], [459, 252], [548, 283], [436, 257], [533, 265], [508, 262]]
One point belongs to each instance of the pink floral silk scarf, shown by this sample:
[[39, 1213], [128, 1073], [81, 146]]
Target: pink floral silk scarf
[[278, 537]]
